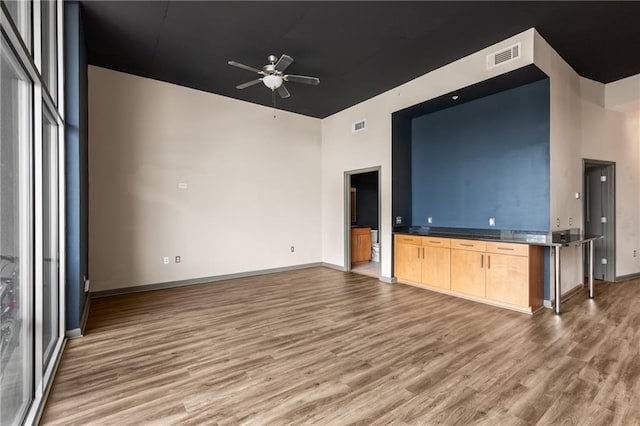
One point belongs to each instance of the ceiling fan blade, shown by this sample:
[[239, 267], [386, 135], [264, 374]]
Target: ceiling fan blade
[[248, 84], [244, 67], [302, 79], [283, 92], [283, 63]]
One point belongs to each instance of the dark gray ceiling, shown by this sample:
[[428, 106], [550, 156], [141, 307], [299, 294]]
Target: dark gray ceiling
[[357, 49]]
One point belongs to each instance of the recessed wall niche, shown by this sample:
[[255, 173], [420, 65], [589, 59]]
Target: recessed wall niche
[[483, 154]]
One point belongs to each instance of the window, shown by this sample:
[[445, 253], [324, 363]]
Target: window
[[31, 148], [20, 11], [50, 257], [16, 347], [48, 19]]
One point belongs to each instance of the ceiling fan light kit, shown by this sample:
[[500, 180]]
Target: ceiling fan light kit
[[272, 81], [273, 76]]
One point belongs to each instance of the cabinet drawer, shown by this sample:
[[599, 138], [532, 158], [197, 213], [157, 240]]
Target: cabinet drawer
[[436, 242], [408, 239], [508, 248], [471, 245]]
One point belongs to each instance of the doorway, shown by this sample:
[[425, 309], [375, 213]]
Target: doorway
[[599, 217], [362, 221]]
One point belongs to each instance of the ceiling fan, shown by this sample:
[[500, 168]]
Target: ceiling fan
[[273, 75]]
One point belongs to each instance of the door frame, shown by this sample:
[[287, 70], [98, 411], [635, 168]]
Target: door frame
[[347, 212], [610, 212]]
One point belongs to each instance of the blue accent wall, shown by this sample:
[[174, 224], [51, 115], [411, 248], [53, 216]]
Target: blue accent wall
[[484, 158], [76, 170]]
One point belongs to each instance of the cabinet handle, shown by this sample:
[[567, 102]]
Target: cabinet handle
[[423, 252], [481, 261], [466, 245], [418, 252], [488, 261], [505, 248], [435, 242]]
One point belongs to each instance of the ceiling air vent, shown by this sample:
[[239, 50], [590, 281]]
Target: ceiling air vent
[[358, 126], [503, 56]]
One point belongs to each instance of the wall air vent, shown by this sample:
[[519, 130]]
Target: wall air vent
[[358, 126], [503, 56]]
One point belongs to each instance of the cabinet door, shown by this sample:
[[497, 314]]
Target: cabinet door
[[360, 245], [468, 272], [355, 254], [365, 246], [508, 279], [408, 262], [436, 267]]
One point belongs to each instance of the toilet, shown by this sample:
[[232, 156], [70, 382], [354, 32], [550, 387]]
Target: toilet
[[375, 247]]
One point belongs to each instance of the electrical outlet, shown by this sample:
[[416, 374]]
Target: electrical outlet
[[429, 219], [178, 259], [570, 221], [398, 220], [635, 253], [557, 222], [492, 221], [293, 249], [165, 260]]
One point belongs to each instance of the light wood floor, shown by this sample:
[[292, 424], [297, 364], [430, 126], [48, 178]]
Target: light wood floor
[[371, 269], [325, 347]]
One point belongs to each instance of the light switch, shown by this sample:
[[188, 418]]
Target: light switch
[[182, 185], [429, 219], [492, 221]]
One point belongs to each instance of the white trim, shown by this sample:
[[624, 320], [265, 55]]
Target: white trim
[[38, 380], [36, 410], [38, 237], [388, 280], [347, 211]]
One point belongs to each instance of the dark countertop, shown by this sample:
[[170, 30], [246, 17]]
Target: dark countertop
[[541, 238]]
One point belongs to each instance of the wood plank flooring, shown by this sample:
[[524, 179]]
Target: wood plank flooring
[[318, 346]]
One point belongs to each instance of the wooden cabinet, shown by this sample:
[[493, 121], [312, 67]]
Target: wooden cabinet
[[423, 260], [408, 257], [468, 272], [515, 278], [360, 245], [503, 274], [436, 262]]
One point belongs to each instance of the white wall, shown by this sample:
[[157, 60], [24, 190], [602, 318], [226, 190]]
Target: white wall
[[615, 136], [582, 128], [344, 151], [623, 95], [565, 211], [253, 183], [258, 185]]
